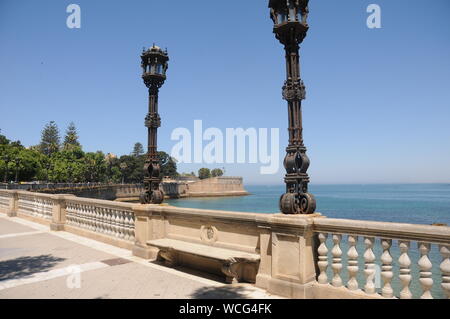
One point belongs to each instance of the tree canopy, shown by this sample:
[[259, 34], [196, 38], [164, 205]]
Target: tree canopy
[[50, 162], [50, 139], [138, 149], [216, 172], [71, 138], [204, 173]]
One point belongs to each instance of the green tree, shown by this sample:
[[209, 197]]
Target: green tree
[[132, 168], [68, 166], [50, 139], [16, 160], [3, 139], [138, 150], [204, 173], [216, 172], [71, 138], [168, 165], [96, 167]]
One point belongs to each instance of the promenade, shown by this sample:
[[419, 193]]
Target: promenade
[[38, 263]]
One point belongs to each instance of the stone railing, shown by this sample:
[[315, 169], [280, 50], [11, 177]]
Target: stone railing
[[35, 206], [391, 260], [297, 256], [5, 201], [106, 221], [109, 218]]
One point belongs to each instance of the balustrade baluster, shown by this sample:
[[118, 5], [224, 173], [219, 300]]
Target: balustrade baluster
[[405, 272], [352, 267], [91, 215], [73, 214], [116, 224], [386, 268], [86, 216], [337, 264], [369, 271], [113, 223], [101, 220], [110, 223], [95, 219], [68, 214], [323, 258], [132, 226], [78, 215], [98, 224], [126, 221], [121, 225], [425, 270], [445, 269]]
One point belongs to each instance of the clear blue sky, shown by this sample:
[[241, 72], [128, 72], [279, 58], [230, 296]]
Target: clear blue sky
[[378, 100]]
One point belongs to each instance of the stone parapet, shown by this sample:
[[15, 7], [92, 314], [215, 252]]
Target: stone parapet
[[296, 256]]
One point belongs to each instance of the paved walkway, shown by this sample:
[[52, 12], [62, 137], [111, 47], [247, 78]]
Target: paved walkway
[[37, 263]]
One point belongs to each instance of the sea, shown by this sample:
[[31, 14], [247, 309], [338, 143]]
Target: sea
[[402, 203]]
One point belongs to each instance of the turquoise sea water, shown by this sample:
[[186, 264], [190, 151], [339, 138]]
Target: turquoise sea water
[[411, 203], [408, 203]]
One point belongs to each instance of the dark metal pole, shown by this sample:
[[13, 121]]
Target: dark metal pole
[[154, 65], [290, 28]]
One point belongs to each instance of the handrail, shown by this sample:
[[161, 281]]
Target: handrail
[[401, 231]]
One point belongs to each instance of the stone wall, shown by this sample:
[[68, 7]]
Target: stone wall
[[179, 188], [217, 186]]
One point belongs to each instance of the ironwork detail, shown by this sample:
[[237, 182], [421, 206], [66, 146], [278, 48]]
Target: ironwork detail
[[154, 63], [153, 120], [294, 91], [290, 28]]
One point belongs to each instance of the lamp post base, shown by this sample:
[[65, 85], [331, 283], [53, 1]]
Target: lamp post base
[[152, 197], [302, 203]]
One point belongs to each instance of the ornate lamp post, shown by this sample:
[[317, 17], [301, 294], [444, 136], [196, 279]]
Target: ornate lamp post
[[154, 67], [290, 28]]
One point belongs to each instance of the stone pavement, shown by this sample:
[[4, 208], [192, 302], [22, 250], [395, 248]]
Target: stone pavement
[[38, 263]]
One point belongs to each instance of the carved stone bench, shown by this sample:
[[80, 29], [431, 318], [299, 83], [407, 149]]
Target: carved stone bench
[[237, 266]]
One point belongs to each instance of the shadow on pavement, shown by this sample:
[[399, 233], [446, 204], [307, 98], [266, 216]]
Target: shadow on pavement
[[223, 292], [26, 266]]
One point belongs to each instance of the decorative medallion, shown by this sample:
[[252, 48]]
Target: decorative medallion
[[208, 234]]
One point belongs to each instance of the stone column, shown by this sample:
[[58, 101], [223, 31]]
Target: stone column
[[59, 213], [13, 204], [144, 231], [293, 255], [265, 250]]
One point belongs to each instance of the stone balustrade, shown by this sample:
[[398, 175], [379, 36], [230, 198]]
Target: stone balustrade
[[107, 221], [384, 259], [35, 206], [112, 219], [307, 256]]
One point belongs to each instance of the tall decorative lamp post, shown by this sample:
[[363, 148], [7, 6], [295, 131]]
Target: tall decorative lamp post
[[290, 28], [154, 67]]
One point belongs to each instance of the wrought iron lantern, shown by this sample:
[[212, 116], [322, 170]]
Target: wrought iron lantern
[[290, 28], [154, 62]]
